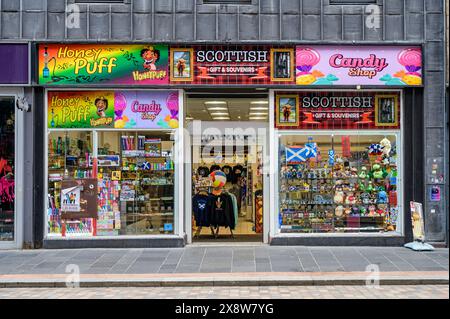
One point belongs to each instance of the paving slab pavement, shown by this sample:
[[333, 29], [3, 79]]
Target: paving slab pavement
[[220, 292], [214, 265]]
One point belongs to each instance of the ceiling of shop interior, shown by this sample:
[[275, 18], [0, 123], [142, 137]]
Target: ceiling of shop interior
[[238, 108]]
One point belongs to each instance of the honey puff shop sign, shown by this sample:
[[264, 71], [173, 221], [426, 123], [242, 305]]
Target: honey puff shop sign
[[78, 64], [113, 109]]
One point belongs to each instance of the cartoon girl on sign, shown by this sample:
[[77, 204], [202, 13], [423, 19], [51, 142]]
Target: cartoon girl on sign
[[102, 105], [150, 57]]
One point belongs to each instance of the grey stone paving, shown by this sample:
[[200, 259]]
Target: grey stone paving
[[226, 259], [272, 292]]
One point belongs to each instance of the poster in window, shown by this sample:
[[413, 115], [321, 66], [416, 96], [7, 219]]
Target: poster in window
[[282, 65], [79, 198], [182, 65], [287, 110], [386, 110]]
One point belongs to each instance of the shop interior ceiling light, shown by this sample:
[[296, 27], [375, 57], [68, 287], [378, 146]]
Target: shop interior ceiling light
[[220, 118], [219, 108], [258, 113], [259, 108], [219, 113], [215, 103], [258, 118], [259, 102]]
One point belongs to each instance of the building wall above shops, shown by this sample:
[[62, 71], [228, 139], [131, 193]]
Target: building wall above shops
[[192, 20]]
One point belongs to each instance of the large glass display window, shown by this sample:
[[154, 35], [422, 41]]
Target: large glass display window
[[339, 182], [111, 163]]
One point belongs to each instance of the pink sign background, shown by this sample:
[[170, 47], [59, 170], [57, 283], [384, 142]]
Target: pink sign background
[[359, 65], [146, 109]]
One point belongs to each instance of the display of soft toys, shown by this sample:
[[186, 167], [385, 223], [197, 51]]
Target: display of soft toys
[[369, 187], [365, 197], [351, 199], [377, 172], [375, 149], [372, 210], [347, 211], [354, 172], [339, 211], [386, 144], [363, 211], [382, 196], [363, 173], [339, 196], [355, 211]]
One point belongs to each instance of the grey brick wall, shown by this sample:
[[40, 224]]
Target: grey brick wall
[[402, 21]]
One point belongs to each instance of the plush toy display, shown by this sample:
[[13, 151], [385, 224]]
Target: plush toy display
[[361, 184], [377, 172], [339, 197], [382, 196], [386, 145], [363, 173], [350, 200], [339, 211]]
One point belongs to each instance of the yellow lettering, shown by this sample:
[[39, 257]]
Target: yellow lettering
[[80, 64]]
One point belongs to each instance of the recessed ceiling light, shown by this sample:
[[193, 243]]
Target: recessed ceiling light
[[217, 108], [215, 103], [259, 108], [219, 113], [257, 118], [221, 118], [259, 102], [258, 113]]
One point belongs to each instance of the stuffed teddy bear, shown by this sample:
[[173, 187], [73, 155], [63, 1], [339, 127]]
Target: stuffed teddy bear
[[386, 144], [339, 196], [339, 211], [351, 199]]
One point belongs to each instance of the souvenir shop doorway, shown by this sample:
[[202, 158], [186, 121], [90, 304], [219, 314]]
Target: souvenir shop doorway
[[228, 137]]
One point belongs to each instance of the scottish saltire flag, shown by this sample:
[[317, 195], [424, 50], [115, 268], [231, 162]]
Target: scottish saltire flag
[[312, 148], [298, 154]]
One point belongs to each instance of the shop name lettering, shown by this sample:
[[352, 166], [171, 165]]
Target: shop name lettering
[[81, 59], [149, 75], [368, 67], [148, 111], [337, 102], [232, 56], [73, 111]]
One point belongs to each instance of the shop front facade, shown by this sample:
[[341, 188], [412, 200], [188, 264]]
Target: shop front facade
[[318, 91], [14, 79], [329, 158]]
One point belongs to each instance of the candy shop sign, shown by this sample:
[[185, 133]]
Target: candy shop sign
[[359, 65]]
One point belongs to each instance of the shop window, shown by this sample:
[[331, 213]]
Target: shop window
[[339, 183], [69, 160], [7, 164], [133, 175]]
